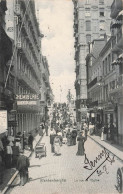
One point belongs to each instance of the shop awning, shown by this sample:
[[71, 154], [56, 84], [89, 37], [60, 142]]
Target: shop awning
[[120, 57], [116, 23], [120, 15], [117, 62]]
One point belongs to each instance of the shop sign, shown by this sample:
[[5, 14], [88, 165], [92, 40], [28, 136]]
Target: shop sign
[[28, 97], [3, 120], [26, 103]]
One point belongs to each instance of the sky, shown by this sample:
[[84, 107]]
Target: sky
[[56, 23]]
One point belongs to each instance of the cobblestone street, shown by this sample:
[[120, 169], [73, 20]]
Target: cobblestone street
[[66, 174]]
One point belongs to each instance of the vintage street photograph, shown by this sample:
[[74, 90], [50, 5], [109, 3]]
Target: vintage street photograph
[[61, 96]]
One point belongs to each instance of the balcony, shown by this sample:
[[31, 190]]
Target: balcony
[[115, 8], [92, 83], [26, 54], [94, 103], [118, 86], [120, 38], [25, 80], [29, 36], [117, 41]]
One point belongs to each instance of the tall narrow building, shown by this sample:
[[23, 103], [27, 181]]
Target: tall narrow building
[[91, 21]]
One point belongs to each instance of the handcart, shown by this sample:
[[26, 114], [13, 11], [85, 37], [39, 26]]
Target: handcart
[[40, 150]]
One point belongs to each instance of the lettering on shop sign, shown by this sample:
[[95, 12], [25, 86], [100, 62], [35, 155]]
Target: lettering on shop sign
[[90, 165], [28, 97]]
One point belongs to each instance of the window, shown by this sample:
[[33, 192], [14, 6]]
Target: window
[[87, 11], [109, 61], [101, 2], [106, 92], [87, 1], [102, 25], [106, 66], [88, 25], [102, 36], [101, 12], [88, 38]]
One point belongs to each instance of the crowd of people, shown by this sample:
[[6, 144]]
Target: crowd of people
[[65, 131], [11, 149]]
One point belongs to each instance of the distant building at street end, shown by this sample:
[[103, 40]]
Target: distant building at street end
[[91, 21]]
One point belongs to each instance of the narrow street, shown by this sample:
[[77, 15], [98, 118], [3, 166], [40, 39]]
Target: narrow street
[[66, 174]]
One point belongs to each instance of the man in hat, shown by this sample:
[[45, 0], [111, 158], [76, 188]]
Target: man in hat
[[22, 166]]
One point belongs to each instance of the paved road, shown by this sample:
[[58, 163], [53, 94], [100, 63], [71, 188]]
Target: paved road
[[66, 174]]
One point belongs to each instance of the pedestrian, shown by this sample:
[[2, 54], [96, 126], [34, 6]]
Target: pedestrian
[[73, 136], [52, 137], [8, 155], [91, 128], [85, 126], [68, 136], [112, 132], [81, 141], [57, 144], [1, 170], [22, 166], [30, 141], [102, 134], [41, 131], [46, 129], [105, 131], [1, 149]]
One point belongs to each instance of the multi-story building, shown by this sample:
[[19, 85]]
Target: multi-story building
[[46, 92], [94, 78], [6, 92], [23, 28], [91, 21], [106, 88], [116, 86]]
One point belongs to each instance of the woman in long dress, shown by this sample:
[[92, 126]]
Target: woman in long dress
[[81, 139], [68, 136], [57, 144]]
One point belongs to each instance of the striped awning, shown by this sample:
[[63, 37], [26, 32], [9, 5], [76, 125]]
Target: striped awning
[[120, 15], [118, 61], [120, 57], [116, 23], [114, 62]]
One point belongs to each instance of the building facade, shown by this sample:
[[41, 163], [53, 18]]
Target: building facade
[[116, 87], [46, 92], [23, 28], [91, 21], [105, 89], [6, 92]]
